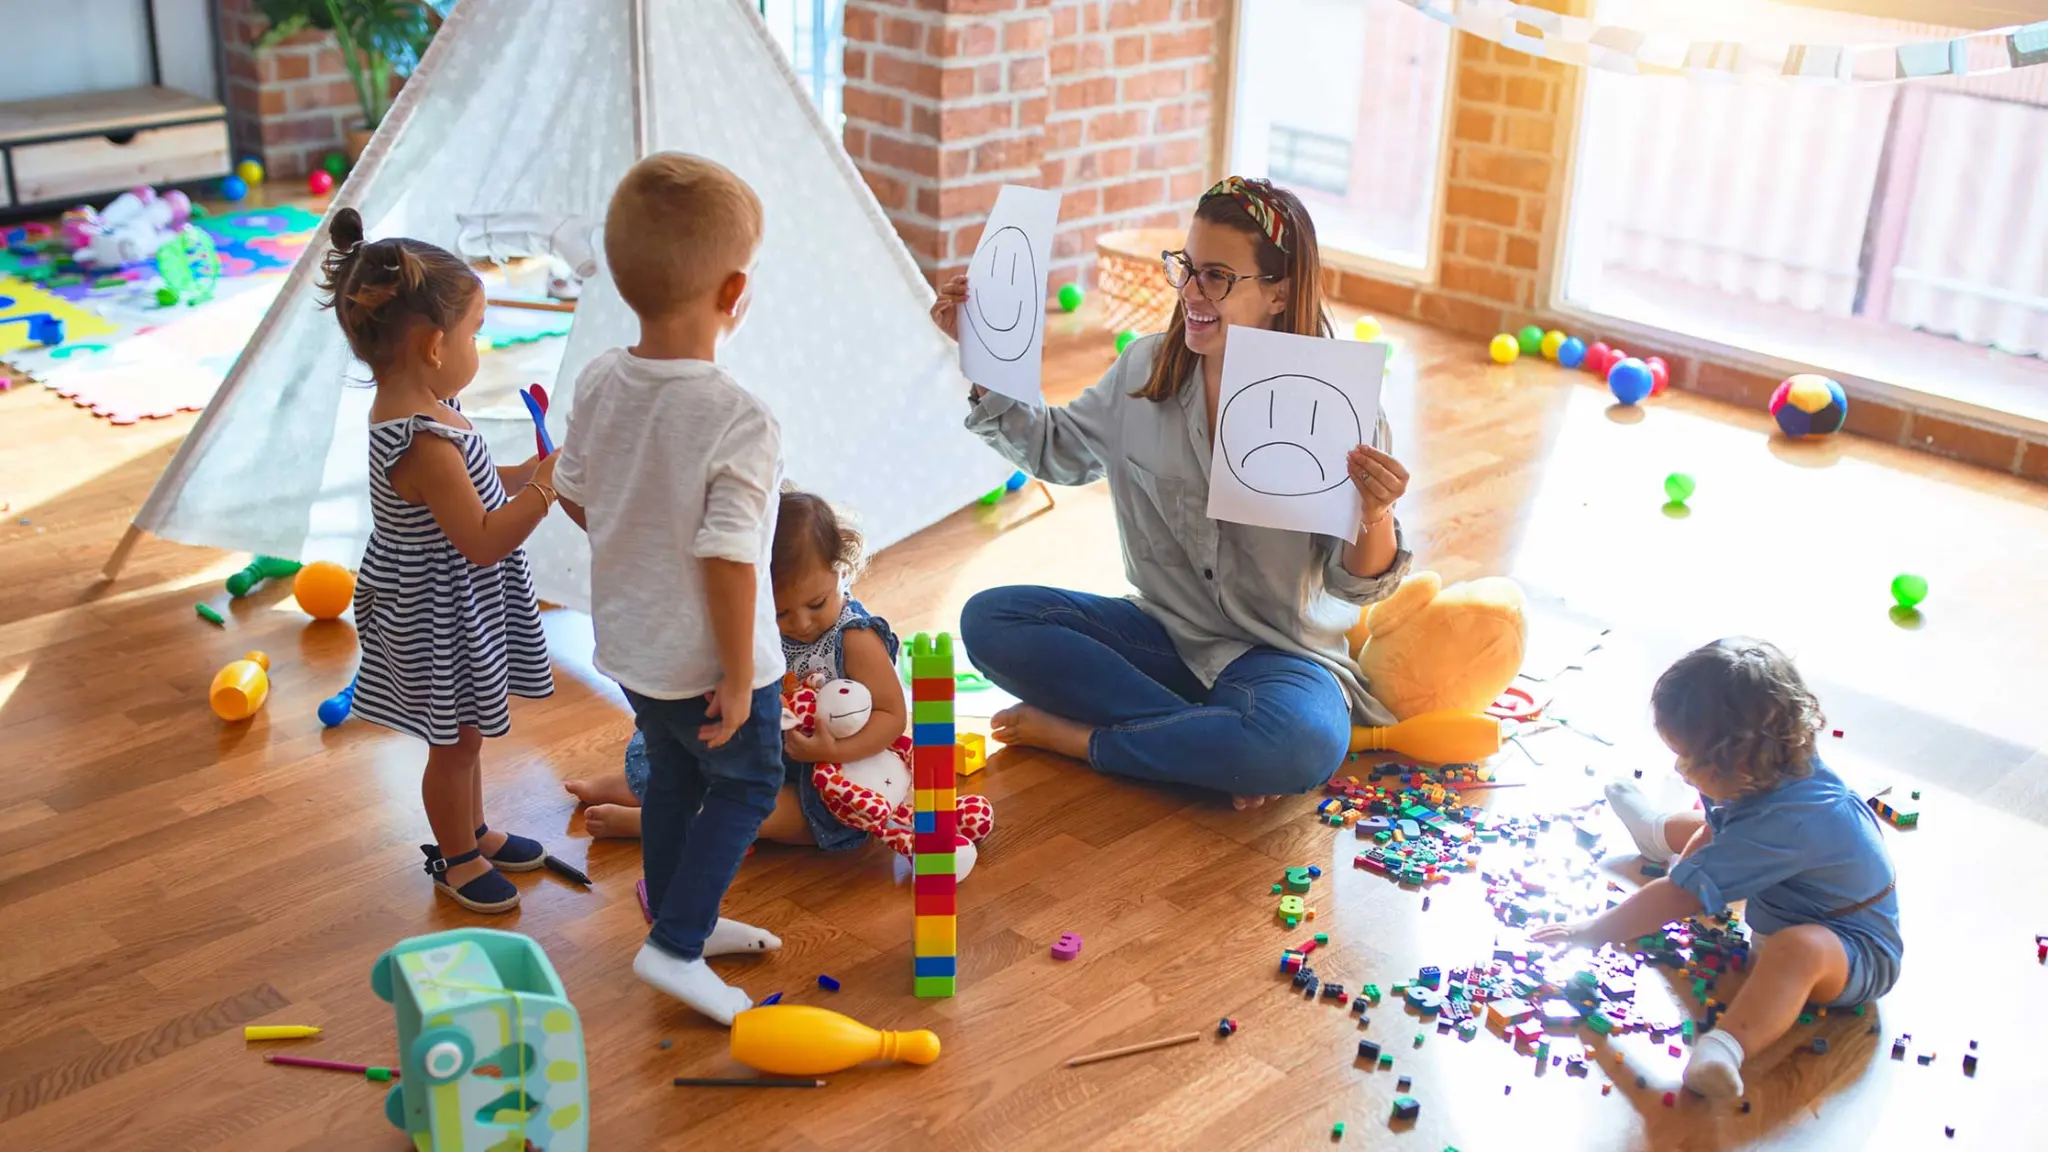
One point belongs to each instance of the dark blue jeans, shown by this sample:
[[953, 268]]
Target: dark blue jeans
[[1273, 723], [702, 808]]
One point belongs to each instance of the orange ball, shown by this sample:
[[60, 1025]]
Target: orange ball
[[324, 589]]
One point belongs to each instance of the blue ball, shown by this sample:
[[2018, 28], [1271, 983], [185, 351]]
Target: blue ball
[[1016, 481], [1571, 352], [1630, 381], [233, 188]]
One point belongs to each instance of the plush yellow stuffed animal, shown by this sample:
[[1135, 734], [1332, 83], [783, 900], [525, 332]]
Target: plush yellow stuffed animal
[[1428, 648]]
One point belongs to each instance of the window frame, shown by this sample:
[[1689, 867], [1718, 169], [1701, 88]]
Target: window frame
[[1225, 102]]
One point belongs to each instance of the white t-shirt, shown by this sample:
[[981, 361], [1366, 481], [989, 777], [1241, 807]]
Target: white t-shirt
[[673, 463]]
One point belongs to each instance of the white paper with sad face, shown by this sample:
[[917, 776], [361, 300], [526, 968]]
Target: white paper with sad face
[[1290, 411], [1002, 324]]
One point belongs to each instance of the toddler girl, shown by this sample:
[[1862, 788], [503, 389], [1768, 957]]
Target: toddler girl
[[824, 629], [1779, 830], [445, 610]]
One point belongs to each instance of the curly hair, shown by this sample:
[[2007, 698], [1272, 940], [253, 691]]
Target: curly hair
[[380, 288], [1738, 708], [808, 532]]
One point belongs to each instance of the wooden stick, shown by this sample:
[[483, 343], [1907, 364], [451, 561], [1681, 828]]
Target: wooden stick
[[1134, 1049], [534, 305]]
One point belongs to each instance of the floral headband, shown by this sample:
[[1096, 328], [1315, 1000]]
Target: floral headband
[[1256, 197]]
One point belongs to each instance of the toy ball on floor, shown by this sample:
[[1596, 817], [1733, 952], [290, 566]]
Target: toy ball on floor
[[319, 181], [1909, 590], [1071, 296], [1366, 329], [1679, 487], [251, 171], [1123, 340], [1630, 381], [1530, 340], [1660, 375], [233, 188], [336, 165], [1552, 341], [324, 589], [1504, 349], [1809, 405], [1572, 352], [1599, 358], [240, 688]]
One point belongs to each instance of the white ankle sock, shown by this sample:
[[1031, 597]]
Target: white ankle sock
[[731, 937], [1715, 1068], [1644, 822], [691, 981]]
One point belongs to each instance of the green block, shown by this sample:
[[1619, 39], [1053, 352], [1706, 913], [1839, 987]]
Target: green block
[[931, 712], [1322, 937], [1386, 1060], [1806, 1017], [1685, 1029], [1599, 1022], [934, 864], [1337, 1129], [1276, 889], [931, 659], [1418, 1039], [929, 987]]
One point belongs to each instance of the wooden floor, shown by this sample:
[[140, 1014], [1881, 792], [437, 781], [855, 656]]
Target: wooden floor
[[165, 879]]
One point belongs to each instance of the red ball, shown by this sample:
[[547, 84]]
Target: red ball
[[319, 182], [1660, 375], [1599, 358]]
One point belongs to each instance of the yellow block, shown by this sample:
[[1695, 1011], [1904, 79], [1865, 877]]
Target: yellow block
[[937, 936], [945, 799], [973, 753], [921, 800]]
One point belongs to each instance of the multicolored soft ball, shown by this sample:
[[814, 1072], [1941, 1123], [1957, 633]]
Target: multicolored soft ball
[[1809, 404]]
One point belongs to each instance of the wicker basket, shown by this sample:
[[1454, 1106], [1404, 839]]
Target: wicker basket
[[1135, 294]]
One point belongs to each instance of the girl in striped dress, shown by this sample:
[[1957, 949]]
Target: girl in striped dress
[[445, 610]]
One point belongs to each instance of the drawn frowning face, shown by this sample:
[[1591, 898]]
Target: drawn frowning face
[[1005, 303], [1288, 436]]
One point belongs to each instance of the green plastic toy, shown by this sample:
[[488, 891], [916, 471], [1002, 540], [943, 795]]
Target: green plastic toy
[[1530, 341], [1909, 590], [189, 267], [260, 569], [1123, 340], [1071, 296], [1679, 487]]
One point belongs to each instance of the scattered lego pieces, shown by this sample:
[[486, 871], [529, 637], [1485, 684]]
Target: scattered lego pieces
[[1425, 903], [773, 998], [1322, 937], [1369, 1050], [1820, 1046], [828, 983], [1404, 1083], [1226, 1026], [1358, 1009], [1671, 1099], [207, 613], [1949, 1132], [1386, 1060], [1745, 1107], [1067, 946], [1337, 1130], [667, 1044], [1316, 873], [1925, 1058], [1406, 1108], [1606, 1088], [1969, 1064]]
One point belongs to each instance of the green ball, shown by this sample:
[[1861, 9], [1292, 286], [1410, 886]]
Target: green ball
[[1531, 340], [1071, 296], [1123, 340], [1909, 590], [166, 297], [1679, 487], [336, 165]]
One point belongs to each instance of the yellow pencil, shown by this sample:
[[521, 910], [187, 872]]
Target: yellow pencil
[[278, 1031]]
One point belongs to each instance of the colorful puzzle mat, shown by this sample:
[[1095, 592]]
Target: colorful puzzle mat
[[505, 327], [25, 308], [175, 364], [251, 241]]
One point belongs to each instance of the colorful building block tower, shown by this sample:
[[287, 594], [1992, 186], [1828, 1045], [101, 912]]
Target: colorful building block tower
[[932, 760]]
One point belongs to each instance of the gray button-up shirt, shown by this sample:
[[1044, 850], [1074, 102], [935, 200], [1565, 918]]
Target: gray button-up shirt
[[1218, 588]]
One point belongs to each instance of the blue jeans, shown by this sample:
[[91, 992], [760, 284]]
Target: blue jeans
[[1273, 723], [702, 809]]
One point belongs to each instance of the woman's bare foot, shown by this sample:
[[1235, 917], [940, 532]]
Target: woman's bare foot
[[611, 789], [617, 821], [1031, 727], [1247, 803]]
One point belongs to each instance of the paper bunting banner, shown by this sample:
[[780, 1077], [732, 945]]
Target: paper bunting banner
[[1575, 40]]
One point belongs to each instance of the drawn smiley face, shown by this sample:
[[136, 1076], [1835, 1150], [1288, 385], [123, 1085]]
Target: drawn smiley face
[[1288, 435], [1005, 303]]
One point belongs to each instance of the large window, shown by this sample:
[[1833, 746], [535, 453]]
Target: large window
[[809, 30], [1898, 232], [1342, 101]]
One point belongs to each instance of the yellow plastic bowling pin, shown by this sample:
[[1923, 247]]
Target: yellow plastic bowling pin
[[240, 688], [1437, 737], [799, 1040]]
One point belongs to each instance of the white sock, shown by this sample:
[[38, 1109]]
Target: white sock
[[1715, 1068], [732, 937], [1644, 822], [691, 981]]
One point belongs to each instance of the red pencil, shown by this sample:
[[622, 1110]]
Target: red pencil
[[369, 1070]]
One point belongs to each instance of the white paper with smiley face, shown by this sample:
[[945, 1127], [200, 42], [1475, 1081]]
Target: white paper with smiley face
[[1290, 410], [1002, 322]]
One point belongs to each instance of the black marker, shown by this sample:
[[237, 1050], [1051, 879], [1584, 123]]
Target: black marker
[[563, 868]]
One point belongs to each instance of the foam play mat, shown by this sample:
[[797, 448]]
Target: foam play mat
[[173, 365], [251, 241], [31, 317]]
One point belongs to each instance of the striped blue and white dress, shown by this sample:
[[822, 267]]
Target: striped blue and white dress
[[443, 640]]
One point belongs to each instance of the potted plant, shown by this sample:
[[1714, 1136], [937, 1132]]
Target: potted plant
[[378, 39]]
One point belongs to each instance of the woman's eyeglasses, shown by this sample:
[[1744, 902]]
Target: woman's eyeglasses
[[1213, 283]]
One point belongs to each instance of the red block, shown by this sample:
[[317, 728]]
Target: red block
[[938, 756], [938, 903], [924, 776], [931, 688], [946, 824], [934, 843], [935, 885]]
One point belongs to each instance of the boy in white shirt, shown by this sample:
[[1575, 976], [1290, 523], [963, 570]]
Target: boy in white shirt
[[673, 469]]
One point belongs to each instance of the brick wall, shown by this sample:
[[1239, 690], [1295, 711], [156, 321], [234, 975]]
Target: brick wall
[[1107, 101], [289, 104]]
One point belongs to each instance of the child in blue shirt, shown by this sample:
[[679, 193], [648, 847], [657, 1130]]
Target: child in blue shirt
[[1779, 830]]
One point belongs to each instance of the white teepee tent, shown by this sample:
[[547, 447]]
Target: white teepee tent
[[539, 106]]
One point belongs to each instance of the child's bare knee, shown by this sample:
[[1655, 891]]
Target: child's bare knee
[[1808, 946]]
